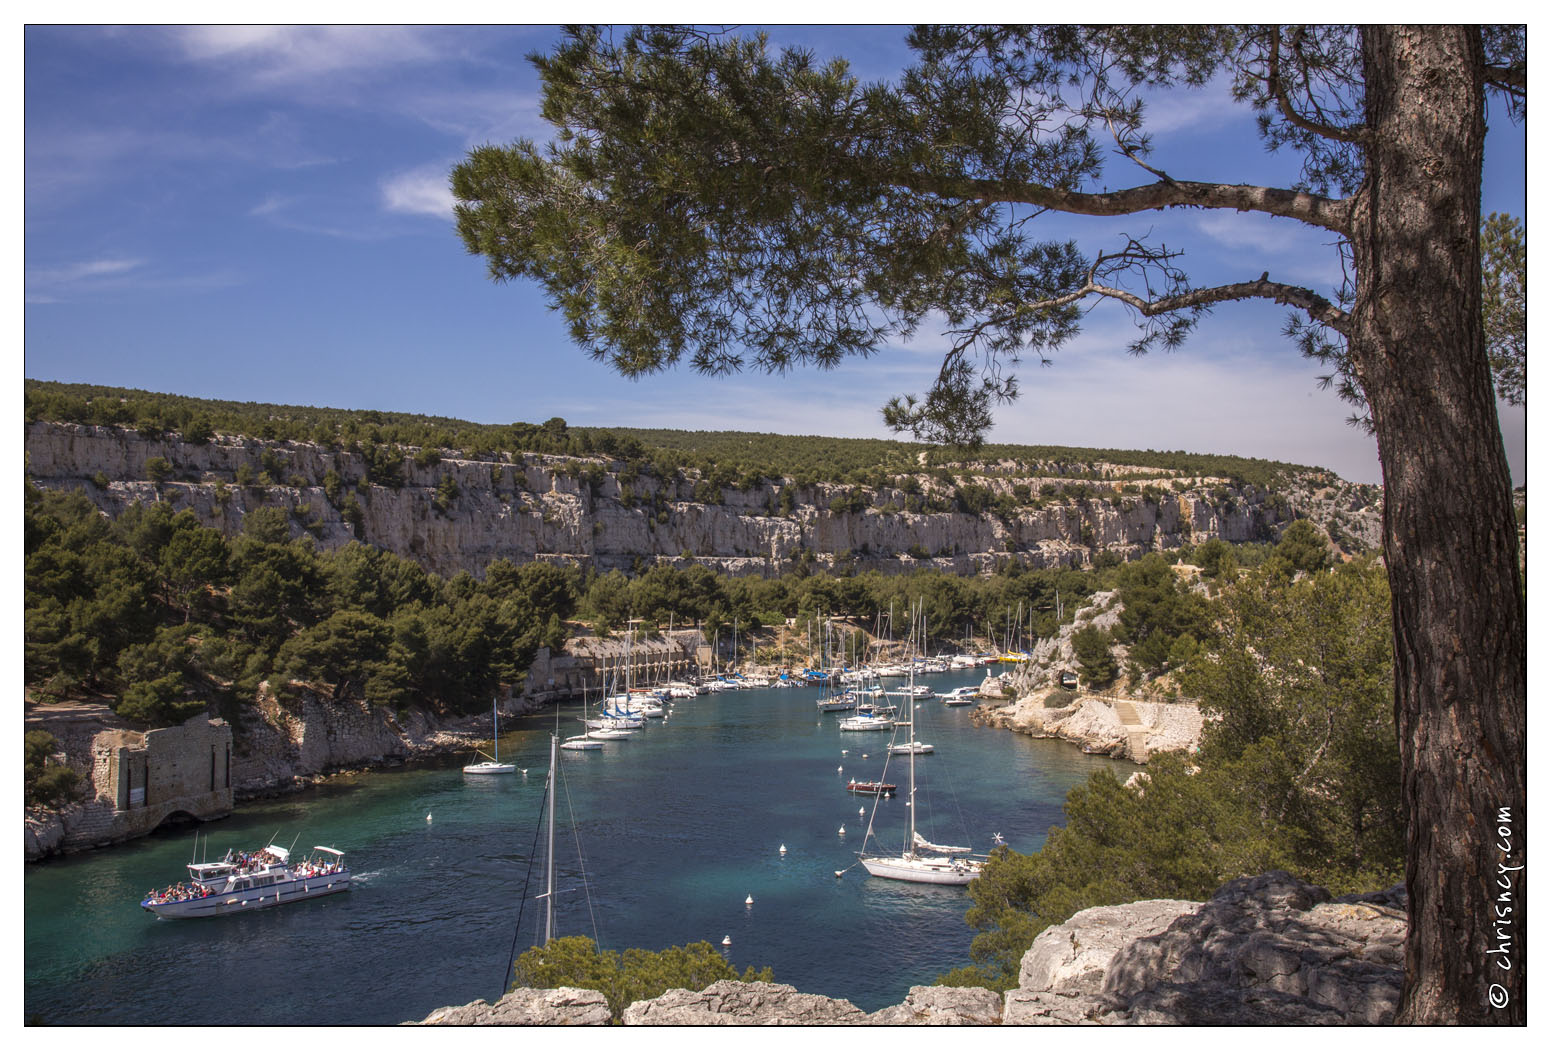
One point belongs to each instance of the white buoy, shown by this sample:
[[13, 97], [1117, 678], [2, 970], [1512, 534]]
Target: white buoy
[[845, 751], [861, 811], [749, 900], [842, 830], [840, 769], [783, 848], [864, 755], [839, 873], [428, 819], [726, 939]]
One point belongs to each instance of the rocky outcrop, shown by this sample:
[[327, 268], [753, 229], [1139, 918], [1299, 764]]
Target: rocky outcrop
[[1077, 954], [1094, 724], [942, 1005], [742, 1003], [1265, 950], [563, 1006], [296, 740], [587, 512], [280, 745]]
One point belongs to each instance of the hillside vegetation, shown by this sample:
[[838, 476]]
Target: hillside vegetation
[[745, 456]]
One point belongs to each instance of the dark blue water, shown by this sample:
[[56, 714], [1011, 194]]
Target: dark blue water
[[676, 828]]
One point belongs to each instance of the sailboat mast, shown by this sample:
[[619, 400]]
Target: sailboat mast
[[549, 864], [910, 706]]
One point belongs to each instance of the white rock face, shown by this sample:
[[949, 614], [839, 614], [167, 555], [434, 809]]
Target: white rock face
[[563, 1006], [1093, 724], [1078, 952], [742, 1003], [536, 509], [942, 1005]]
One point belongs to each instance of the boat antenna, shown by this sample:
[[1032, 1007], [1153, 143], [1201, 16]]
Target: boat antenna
[[293, 844]]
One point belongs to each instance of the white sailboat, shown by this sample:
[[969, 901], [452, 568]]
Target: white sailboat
[[582, 742], [492, 763], [921, 861]]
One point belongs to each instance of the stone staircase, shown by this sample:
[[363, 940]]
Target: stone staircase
[[1136, 731]]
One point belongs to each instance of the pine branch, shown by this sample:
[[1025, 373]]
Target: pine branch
[[1324, 212]]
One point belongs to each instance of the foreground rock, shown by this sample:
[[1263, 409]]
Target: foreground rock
[[742, 1003], [563, 1006], [1265, 950], [942, 1005]]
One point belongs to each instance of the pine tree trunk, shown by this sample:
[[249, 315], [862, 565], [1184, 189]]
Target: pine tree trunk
[[1450, 536]]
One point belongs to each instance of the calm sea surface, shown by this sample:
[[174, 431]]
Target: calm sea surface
[[661, 840]]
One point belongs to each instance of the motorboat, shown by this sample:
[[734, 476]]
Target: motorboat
[[960, 696], [909, 747], [870, 788], [867, 722], [241, 882]]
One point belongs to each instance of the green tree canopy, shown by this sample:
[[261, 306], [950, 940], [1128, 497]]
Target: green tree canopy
[[1505, 302]]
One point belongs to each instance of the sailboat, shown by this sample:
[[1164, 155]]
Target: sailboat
[[921, 861], [492, 764]]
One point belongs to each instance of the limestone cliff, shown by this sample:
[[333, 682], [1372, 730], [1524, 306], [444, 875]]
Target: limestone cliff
[[452, 513]]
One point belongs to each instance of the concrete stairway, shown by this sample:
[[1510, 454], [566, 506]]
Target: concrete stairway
[[1136, 731]]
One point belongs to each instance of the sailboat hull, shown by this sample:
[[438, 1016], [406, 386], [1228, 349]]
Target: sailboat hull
[[490, 768], [914, 869]]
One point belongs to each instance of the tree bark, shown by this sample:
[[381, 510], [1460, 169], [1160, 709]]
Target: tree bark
[[1450, 536]]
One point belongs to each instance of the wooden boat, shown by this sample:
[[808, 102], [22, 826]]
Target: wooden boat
[[870, 788]]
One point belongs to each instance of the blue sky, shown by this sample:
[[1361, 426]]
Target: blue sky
[[262, 215]]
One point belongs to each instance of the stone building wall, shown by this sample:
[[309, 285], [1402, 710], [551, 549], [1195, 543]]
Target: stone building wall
[[145, 778]]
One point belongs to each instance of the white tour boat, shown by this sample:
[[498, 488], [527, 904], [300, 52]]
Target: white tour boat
[[240, 882]]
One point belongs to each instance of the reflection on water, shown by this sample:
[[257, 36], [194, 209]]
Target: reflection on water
[[662, 839]]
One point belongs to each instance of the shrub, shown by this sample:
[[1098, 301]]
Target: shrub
[[636, 974], [47, 784]]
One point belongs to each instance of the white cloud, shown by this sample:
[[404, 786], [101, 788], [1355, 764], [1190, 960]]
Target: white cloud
[[1184, 108], [420, 191], [41, 279], [1289, 251], [92, 268], [292, 55], [273, 204]]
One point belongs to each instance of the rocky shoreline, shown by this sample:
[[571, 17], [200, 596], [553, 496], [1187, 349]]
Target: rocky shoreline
[[286, 747], [1123, 729], [1265, 950]]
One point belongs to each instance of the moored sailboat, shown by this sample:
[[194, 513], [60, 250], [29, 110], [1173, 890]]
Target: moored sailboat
[[492, 763], [920, 860]]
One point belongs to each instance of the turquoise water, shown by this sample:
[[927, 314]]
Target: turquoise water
[[675, 829]]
